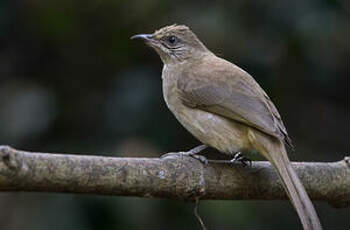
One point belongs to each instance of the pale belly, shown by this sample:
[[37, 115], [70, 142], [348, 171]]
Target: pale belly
[[225, 135]]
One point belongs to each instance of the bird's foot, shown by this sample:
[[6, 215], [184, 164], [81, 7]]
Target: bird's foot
[[197, 149], [239, 157], [192, 153]]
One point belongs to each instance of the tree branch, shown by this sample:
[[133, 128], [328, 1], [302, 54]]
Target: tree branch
[[172, 177]]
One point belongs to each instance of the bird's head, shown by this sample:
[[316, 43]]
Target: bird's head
[[174, 44]]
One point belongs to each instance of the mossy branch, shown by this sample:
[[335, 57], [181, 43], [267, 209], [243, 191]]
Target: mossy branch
[[181, 178]]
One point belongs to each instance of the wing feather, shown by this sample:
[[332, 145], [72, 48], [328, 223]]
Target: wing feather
[[232, 93]]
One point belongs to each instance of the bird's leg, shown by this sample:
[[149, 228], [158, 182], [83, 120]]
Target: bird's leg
[[242, 159], [192, 153], [197, 149], [237, 157]]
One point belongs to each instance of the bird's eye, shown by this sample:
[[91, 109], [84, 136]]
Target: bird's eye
[[172, 40]]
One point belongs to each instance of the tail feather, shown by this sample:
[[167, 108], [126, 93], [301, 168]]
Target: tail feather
[[276, 153]]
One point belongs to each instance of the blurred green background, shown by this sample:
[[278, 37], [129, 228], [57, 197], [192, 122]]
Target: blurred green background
[[72, 81]]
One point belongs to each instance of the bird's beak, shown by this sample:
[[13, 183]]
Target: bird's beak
[[145, 37]]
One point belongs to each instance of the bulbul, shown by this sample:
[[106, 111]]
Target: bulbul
[[225, 108]]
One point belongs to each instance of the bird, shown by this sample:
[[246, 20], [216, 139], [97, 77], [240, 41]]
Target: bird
[[225, 108]]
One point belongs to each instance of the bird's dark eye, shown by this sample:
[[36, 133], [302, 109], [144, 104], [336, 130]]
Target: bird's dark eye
[[172, 40]]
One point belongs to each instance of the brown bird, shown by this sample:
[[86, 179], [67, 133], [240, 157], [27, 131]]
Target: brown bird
[[225, 108]]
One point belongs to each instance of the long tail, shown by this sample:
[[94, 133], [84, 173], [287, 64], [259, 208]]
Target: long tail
[[276, 153]]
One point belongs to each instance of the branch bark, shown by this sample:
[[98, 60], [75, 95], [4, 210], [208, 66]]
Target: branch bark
[[172, 177]]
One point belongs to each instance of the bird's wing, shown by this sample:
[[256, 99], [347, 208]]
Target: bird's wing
[[228, 91]]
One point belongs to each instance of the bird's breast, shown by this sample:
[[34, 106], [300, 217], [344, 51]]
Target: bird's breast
[[225, 135]]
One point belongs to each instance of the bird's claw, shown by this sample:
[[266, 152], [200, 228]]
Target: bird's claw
[[192, 153], [201, 158], [239, 157]]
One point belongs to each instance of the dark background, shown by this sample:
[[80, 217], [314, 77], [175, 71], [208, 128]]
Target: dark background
[[72, 81]]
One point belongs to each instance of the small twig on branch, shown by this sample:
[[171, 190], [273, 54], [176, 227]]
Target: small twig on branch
[[196, 214], [171, 177]]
